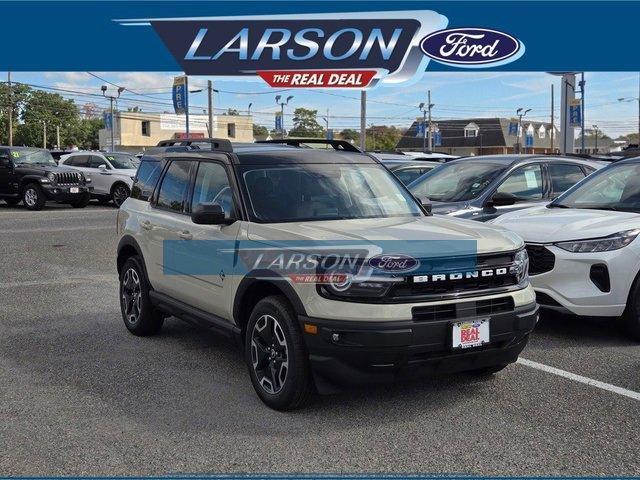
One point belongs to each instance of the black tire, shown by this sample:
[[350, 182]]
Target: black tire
[[138, 314], [119, 193], [487, 371], [82, 201], [281, 345], [12, 202], [631, 315], [33, 197]]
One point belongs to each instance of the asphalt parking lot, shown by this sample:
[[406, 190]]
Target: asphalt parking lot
[[81, 396]]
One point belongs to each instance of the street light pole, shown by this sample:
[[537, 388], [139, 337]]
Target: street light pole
[[282, 104], [113, 120], [520, 113], [210, 101], [430, 105], [10, 109]]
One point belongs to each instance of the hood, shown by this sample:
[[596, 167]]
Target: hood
[[42, 169], [488, 238], [446, 208], [546, 225]]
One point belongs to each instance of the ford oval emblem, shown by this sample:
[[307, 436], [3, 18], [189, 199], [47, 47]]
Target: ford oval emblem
[[394, 263], [472, 47]]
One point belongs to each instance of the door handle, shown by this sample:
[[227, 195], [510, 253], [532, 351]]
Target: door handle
[[146, 224], [185, 235]]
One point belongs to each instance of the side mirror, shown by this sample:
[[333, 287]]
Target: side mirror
[[209, 214], [501, 199], [102, 168], [426, 204]]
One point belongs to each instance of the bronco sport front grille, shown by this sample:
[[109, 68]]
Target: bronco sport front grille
[[67, 178]]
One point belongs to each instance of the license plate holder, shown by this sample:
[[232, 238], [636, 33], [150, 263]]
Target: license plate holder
[[470, 333], [74, 190]]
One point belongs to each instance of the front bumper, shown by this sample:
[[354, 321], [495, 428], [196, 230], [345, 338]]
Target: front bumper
[[372, 352], [61, 193], [569, 288]]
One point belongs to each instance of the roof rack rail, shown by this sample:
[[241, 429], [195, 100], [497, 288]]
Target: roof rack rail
[[219, 144], [297, 142]]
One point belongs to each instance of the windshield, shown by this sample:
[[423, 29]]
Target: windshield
[[616, 188], [122, 161], [306, 192], [455, 182], [32, 157]]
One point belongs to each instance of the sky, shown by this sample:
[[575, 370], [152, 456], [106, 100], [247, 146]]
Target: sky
[[465, 94]]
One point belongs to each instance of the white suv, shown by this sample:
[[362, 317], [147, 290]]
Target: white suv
[[111, 173], [323, 267]]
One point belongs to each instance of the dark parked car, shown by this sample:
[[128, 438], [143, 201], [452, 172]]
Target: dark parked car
[[406, 168], [482, 188], [31, 175]]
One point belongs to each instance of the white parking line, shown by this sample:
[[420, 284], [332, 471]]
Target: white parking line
[[580, 379]]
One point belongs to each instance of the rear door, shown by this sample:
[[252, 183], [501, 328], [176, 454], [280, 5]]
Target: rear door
[[563, 176], [168, 230], [527, 183], [100, 178]]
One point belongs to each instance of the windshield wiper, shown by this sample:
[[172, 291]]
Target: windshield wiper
[[558, 205]]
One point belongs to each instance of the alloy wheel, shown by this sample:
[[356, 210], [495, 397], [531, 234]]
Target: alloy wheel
[[30, 197], [269, 354], [120, 194], [131, 295]]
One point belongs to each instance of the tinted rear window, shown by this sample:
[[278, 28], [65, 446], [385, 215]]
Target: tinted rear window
[[146, 179]]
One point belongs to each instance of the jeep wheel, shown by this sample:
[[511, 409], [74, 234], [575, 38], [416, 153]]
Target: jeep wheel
[[119, 194], [33, 197], [276, 355], [82, 202], [12, 202], [139, 315]]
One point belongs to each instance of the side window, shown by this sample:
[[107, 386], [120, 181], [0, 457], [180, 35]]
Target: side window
[[525, 183], [409, 175], [95, 161], [212, 186], [77, 161], [174, 186], [564, 176], [146, 179]]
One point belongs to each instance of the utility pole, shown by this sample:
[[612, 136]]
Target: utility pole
[[595, 129], [186, 102], [520, 113], [44, 134], [10, 109], [282, 104], [552, 119], [363, 119], [429, 124], [113, 120], [424, 128], [210, 98], [581, 84], [58, 136]]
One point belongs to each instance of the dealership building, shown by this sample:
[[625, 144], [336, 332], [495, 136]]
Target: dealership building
[[483, 136], [135, 131]]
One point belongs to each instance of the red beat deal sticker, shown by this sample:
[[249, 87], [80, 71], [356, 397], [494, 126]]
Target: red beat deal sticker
[[318, 78]]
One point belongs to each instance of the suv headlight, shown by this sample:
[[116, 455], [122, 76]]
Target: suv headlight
[[359, 287], [51, 176], [603, 244], [520, 267]]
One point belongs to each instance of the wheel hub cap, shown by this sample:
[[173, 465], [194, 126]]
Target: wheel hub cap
[[269, 354], [131, 295]]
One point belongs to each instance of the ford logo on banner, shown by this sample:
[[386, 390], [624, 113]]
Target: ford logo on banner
[[394, 263], [472, 47]]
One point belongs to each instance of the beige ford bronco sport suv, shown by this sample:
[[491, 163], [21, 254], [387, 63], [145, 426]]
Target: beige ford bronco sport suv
[[322, 265]]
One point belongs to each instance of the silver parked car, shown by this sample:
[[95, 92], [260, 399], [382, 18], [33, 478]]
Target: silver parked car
[[111, 174]]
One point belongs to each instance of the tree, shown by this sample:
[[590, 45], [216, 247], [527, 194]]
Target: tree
[[231, 111], [305, 124], [260, 131], [382, 137], [19, 94], [350, 134], [43, 107]]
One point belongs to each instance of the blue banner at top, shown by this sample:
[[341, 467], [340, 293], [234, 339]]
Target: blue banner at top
[[401, 38]]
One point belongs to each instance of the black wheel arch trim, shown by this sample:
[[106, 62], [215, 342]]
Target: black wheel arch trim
[[129, 241], [274, 279]]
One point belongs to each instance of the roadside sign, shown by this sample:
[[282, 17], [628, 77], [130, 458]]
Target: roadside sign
[[575, 113], [278, 121], [179, 94], [107, 118], [513, 128], [437, 138], [529, 140], [420, 129], [330, 134]]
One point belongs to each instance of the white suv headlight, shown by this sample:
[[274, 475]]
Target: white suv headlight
[[604, 244]]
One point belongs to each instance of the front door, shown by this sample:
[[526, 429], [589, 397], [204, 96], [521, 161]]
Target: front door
[[6, 172]]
